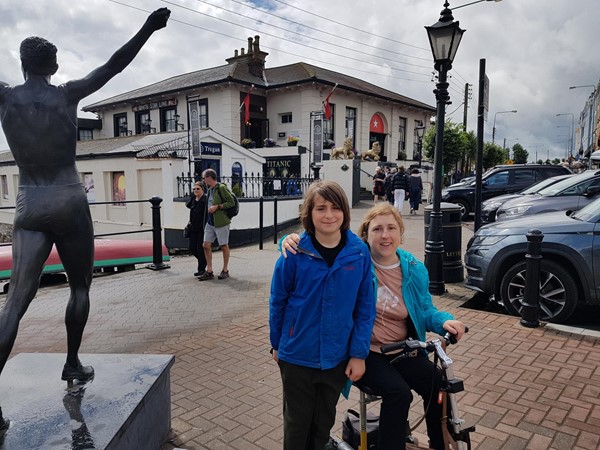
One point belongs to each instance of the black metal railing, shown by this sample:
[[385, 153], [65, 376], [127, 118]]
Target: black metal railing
[[252, 186]]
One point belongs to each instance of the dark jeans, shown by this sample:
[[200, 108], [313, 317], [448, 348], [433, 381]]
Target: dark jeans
[[196, 249], [309, 400], [394, 385], [415, 198]]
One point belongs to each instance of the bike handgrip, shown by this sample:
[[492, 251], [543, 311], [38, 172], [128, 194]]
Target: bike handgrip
[[391, 347], [452, 337]]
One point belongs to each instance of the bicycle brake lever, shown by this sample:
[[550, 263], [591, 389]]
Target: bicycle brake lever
[[405, 355]]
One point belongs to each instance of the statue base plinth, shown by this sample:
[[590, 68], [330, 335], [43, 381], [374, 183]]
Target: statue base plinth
[[127, 405]]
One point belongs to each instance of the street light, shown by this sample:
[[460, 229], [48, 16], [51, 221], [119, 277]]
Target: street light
[[570, 137], [444, 38], [494, 127], [420, 130], [583, 86], [508, 149], [572, 145], [478, 1]]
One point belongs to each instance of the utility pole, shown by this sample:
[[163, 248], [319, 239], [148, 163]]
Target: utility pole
[[466, 105]]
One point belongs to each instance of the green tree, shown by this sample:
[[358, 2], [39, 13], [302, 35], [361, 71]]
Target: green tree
[[520, 155], [493, 154], [556, 161], [539, 161], [456, 145]]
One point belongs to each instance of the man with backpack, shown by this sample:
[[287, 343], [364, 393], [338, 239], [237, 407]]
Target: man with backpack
[[220, 199]]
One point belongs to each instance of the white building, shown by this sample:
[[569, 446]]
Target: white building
[[153, 140]]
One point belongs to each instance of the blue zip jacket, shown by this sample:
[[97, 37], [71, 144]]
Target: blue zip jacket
[[321, 315], [415, 290]]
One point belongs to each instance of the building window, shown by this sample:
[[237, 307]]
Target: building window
[[402, 138], [120, 125], [168, 119], [351, 125], [328, 130], [85, 134], [118, 188], [4, 187], [143, 123], [87, 179], [203, 113], [286, 117]]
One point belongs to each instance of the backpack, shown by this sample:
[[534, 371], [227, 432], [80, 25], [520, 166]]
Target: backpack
[[235, 209]]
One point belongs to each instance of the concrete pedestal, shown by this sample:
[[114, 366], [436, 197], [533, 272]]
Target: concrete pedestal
[[127, 405]]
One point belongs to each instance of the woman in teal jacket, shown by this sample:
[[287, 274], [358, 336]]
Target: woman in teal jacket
[[321, 316], [404, 310]]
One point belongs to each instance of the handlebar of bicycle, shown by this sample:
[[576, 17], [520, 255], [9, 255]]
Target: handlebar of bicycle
[[412, 344]]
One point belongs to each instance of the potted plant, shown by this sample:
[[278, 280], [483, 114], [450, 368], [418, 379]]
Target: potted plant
[[268, 142], [248, 143], [328, 143], [292, 141]]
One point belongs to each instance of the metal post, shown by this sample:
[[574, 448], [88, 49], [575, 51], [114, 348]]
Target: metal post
[[260, 222], [275, 220], [480, 131], [157, 262], [531, 297], [434, 246]]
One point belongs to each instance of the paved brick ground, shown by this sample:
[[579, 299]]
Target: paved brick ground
[[525, 388]]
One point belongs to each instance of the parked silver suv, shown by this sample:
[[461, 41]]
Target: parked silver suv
[[570, 275]]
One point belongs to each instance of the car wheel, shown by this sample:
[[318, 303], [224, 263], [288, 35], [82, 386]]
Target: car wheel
[[465, 209], [558, 291]]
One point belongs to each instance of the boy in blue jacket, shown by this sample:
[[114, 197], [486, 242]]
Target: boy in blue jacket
[[322, 310]]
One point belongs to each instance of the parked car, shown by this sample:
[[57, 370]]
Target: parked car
[[569, 276], [490, 207], [571, 194], [500, 180]]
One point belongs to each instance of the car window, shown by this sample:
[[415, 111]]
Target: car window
[[524, 177], [589, 212], [498, 179], [564, 184], [580, 188]]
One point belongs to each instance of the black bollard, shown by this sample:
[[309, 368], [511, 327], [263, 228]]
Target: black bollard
[[531, 297], [275, 230], [157, 262], [260, 222]]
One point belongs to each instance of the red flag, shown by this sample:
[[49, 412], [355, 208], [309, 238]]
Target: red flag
[[246, 104], [326, 104]]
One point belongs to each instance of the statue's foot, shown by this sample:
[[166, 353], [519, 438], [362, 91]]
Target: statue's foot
[[80, 373]]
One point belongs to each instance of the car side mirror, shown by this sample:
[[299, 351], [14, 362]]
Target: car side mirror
[[592, 190]]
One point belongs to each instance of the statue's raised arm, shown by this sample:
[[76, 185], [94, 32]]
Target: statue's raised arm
[[79, 89]]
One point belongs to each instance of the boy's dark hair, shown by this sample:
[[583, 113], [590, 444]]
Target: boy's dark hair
[[330, 191], [38, 56]]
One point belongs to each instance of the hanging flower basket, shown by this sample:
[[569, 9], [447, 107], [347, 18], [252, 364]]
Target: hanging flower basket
[[292, 141]]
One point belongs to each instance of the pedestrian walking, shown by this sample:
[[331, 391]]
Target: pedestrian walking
[[197, 207], [400, 188], [415, 186]]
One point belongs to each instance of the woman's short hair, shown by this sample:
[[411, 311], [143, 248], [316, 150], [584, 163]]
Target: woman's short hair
[[382, 209], [330, 191], [38, 56]]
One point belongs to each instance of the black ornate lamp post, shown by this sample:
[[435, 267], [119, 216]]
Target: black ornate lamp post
[[444, 38], [420, 130]]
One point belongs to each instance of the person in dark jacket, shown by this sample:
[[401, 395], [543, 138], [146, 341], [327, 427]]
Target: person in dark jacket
[[415, 189], [400, 188], [197, 206], [388, 184]]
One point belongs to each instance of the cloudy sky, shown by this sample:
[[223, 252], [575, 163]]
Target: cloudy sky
[[534, 49]]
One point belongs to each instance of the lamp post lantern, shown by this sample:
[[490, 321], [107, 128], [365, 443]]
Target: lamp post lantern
[[444, 38], [420, 130], [494, 126]]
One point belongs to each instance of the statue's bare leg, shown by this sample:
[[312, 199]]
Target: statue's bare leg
[[76, 252], [30, 251]]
